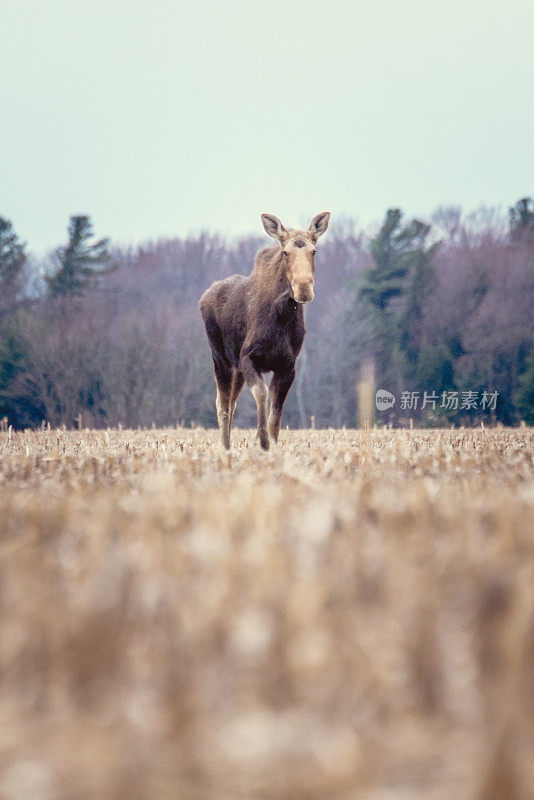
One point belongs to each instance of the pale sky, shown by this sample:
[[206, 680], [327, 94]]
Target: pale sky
[[160, 118]]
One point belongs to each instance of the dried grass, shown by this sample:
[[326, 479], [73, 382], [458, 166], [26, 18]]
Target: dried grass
[[350, 616]]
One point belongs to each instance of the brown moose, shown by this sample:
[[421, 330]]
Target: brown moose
[[255, 324]]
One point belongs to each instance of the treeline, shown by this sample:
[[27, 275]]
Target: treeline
[[440, 314]]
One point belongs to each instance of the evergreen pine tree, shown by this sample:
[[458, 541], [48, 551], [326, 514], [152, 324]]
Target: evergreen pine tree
[[82, 263], [12, 260], [385, 279], [395, 290], [420, 282], [521, 219]]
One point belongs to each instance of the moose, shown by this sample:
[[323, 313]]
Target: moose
[[255, 324]]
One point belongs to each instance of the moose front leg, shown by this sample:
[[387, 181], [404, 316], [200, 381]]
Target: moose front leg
[[260, 393], [280, 386], [223, 380]]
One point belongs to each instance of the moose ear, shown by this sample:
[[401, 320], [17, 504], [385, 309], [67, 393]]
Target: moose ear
[[319, 224], [274, 227]]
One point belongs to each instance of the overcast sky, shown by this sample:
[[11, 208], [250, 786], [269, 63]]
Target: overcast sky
[[160, 117]]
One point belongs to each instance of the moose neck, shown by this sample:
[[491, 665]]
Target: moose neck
[[269, 274]]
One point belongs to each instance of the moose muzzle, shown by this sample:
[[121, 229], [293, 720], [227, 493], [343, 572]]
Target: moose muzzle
[[303, 290]]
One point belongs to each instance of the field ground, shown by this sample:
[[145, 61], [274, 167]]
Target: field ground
[[347, 617]]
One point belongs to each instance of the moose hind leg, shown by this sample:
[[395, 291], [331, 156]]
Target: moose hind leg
[[280, 386], [237, 386], [260, 393], [223, 379]]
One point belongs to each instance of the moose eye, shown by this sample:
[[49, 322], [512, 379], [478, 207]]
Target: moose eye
[[286, 253]]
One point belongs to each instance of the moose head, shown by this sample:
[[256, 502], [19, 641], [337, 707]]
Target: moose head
[[298, 252]]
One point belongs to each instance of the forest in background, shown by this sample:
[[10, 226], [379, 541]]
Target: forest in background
[[438, 313]]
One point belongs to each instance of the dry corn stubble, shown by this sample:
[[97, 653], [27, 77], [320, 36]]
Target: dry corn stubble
[[348, 616]]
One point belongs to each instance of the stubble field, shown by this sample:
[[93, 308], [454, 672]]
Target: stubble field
[[347, 617]]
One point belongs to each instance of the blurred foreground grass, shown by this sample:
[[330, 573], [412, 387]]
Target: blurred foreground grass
[[348, 617]]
